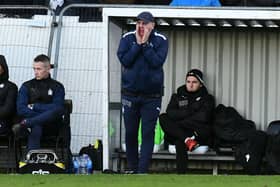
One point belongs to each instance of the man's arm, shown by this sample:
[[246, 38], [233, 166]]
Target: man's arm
[[174, 112], [9, 107], [201, 115], [48, 113], [22, 104], [156, 56], [57, 102], [127, 53]]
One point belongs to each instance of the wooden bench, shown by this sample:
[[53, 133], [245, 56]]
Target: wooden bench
[[209, 156]]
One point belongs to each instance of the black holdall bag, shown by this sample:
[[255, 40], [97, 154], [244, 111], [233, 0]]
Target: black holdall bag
[[273, 128], [230, 128], [95, 152], [251, 152], [272, 154]]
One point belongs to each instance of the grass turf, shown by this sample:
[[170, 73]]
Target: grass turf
[[152, 180]]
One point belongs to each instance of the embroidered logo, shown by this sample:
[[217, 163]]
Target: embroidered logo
[[183, 103], [126, 102]]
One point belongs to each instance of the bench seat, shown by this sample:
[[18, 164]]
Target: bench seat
[[210, 156]]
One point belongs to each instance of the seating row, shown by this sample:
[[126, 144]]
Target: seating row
[[13, 150]]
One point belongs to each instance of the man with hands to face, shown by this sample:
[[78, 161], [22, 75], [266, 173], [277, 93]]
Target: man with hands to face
[[143, 31], [142, 54]]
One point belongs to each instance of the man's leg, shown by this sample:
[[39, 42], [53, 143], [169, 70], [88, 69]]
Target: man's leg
[[34, 138], [178, 136], [46, 117], [131, 121], [171, 128], [149, 113], [181, 157]]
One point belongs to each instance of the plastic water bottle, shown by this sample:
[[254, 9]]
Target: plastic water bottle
[[83, 165], [89, 165], [75, 165]]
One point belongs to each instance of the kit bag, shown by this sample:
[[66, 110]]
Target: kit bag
[[272, 153], [251, 152], [95, 154], [230, 128]]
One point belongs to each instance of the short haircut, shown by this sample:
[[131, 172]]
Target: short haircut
[[42, 58]]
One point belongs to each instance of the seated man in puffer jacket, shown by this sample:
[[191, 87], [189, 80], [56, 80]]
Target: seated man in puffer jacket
[[8, 97], [187, 121]]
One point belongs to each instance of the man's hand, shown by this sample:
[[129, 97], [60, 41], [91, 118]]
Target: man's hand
[[147, 32], [143, 32], [138, 37]]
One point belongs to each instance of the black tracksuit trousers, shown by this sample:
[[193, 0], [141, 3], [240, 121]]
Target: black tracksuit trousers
[[174, 134]]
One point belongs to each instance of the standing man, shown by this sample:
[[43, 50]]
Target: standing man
[[142, 54], [188, 118], [39, 103]]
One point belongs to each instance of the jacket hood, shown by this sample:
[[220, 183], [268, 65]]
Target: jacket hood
[[5, 75]]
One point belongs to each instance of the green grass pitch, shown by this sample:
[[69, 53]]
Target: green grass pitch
[[150, 180]]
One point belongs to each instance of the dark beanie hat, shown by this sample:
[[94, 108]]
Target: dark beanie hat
[[197, 74]]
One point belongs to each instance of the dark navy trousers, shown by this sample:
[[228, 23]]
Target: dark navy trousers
[[47, 121], [134, 109]]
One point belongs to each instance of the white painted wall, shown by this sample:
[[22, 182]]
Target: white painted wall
[[80, 69]]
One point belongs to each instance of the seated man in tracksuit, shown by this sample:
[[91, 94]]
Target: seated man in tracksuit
[[40, 104], [188, 117]]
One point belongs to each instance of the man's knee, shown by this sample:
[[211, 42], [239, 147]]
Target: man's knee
[[163, 120], [163, 117]]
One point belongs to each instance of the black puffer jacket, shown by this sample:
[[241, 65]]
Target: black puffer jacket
[[8, 93], [192, 110]]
